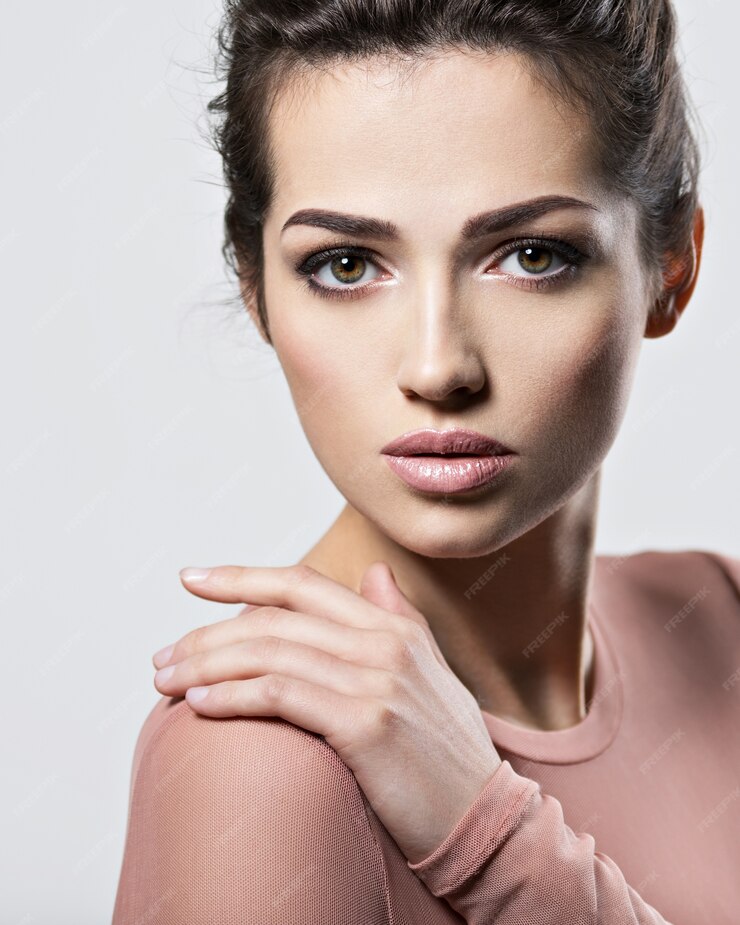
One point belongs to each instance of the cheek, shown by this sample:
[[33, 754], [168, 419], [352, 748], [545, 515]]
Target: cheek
[[325, 357], [586, 391], [324, 374]]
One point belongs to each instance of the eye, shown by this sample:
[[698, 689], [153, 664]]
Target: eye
[[538, 263], [348, 272], [340, 272], [345, 268], [533, 259]]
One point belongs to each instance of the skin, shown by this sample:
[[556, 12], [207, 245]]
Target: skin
[[442, 336], [548, 373]]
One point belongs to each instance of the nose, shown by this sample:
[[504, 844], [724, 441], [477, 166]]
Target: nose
[[439, 360]]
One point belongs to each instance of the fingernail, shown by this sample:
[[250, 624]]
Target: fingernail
[[194, 694], [163, 656], [194, 574], [164, 675]]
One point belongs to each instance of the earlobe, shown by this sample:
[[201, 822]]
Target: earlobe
[[679, 280]]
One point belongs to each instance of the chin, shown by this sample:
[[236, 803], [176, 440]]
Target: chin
[[447, 531]]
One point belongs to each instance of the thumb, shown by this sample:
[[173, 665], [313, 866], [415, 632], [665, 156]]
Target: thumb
[[378, 585]]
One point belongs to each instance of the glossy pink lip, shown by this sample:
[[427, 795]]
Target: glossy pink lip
[[472, 459], [459, 441]]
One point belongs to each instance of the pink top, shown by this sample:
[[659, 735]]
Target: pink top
[[630, 816]]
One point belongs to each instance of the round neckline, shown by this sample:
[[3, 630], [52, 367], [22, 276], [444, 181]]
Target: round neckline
[[587, 738]]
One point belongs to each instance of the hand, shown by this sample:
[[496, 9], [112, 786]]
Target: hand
[[362, 670]]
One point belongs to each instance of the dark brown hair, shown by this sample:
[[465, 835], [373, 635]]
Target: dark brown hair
[[614, 60]]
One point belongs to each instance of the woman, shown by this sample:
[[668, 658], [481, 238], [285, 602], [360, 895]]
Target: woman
[[454, 223]]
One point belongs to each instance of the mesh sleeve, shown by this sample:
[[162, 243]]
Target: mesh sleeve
[[511, 859], [730, 565], [245, 820]]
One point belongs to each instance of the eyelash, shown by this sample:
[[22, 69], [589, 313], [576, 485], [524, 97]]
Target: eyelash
[[315, 261]]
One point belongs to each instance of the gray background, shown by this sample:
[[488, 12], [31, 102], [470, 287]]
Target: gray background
[[142, 416]]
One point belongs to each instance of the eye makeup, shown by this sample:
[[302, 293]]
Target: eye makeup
[[573, 256]]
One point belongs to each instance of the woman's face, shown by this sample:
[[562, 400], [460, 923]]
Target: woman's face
[[432, 328]]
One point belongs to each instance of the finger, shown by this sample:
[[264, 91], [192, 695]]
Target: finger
[[271, 655], [379, 585], [307, 705], [298, 587], [347, 642], [220, 633]]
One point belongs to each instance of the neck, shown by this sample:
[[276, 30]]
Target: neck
[[512, 625]]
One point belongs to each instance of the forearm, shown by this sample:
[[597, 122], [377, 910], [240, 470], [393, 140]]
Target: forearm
[[512, 859]]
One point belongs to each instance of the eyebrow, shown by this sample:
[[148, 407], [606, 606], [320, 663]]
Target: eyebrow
[[478, 226]]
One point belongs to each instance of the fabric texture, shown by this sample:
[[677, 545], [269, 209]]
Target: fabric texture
[[630, 816]]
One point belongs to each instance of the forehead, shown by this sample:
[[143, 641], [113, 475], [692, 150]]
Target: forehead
[[452, 129]]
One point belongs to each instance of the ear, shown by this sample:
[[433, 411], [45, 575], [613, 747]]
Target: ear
[[679, 279], [257, 322], [249, 299]]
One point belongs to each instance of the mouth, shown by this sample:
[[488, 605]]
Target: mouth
[[447, 462], [456, 443]]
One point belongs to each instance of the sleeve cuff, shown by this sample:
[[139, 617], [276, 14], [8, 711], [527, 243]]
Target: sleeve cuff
[[479, 833]]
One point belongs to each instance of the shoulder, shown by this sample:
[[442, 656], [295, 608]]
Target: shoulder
[[671, 566], [235, 755], [245, 816], [728, 566], [677, 581]]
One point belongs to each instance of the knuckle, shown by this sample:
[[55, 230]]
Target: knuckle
[[225, 693], [268, 648], [400, 653], [385, 647], [383, 719], [298, 574], [191, 643], [390, 686], [266, 617], [273, 689], [195, 664], [412, 632]]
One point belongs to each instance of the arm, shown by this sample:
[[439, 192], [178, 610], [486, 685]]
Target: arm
[[512, 859], [244, 820]]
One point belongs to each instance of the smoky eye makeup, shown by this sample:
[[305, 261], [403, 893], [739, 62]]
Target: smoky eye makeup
[[348, 262]]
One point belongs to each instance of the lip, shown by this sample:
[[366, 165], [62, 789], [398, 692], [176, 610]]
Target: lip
[[427, 440], [481, 459]]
